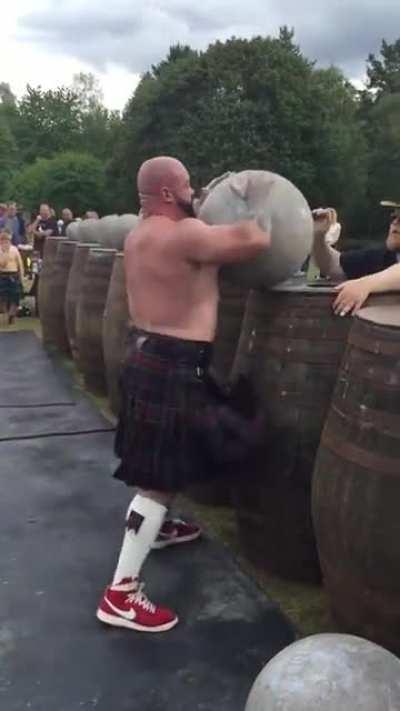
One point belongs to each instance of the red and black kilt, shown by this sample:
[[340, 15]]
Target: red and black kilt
[[176, 425]]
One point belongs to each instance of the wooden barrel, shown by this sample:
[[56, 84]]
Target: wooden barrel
[[89, 318], [74, 284], [115, 328], [231, 307], [56, 288], [291, 348], [356, 483], [45, 278]]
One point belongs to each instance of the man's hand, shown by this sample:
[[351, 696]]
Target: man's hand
[[351, 297], [323, 219]]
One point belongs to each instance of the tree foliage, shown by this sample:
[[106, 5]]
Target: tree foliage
[[73, 180], [384, 73], [249, 104], [240, 104]]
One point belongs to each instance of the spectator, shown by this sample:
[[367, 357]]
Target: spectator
[[11, 272], [355, 263], [3, 215], [66, 219], [354, 293], [44, 226], [11, 224], [22, 228], [91, 215]]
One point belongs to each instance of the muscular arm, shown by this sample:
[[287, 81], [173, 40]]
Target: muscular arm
[[222, 244]]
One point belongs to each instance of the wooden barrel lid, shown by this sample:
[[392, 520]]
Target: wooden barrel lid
[[299, 285], [382, 314]]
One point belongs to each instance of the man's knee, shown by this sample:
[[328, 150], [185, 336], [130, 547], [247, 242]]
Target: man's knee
[[161, 497]]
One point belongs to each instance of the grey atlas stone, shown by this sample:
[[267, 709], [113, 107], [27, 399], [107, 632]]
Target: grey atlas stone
[[72, 231], [115, 228], [328, 672], [88, 230], [279, 207]]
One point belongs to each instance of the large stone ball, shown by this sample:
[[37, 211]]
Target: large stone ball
[[115, 228], [72, 231], [88, 230], [328, 672], [279, 207]]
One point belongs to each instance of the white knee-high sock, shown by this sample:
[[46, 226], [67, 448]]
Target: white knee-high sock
[[143, 522]]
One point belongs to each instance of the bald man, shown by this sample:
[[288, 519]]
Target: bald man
[[174, 426]]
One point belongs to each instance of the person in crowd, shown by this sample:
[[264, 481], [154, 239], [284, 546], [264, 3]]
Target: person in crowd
[[45, 225], [358, 265], [358, 262], [66, 218], [11, 273], [3, 215], [21, 222], [331, 237], [91, 215], [354, 293], [174, 427], [12, 224]]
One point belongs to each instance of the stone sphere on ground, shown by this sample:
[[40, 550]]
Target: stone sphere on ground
[[328, 672], [279, 207]]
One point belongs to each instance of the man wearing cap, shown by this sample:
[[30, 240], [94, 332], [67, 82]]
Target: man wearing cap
[[357, 264]]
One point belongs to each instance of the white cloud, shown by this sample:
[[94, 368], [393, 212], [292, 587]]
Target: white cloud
[[49, 43]]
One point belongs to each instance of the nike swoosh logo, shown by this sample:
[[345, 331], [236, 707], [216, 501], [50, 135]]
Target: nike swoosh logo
[[128, 614]]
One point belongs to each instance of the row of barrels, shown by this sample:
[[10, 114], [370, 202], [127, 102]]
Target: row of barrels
[[315, 374], [84, 311], [323, 498]]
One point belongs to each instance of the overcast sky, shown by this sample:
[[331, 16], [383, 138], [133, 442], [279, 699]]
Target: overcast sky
[[47, 41]]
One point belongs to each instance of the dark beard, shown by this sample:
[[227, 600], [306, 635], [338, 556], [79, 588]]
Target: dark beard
[[186, 207]]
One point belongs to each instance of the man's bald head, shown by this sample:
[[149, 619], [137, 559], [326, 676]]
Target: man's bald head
[[164, 187], [160, 172]]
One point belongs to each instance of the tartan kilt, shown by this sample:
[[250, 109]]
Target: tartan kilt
[[176, 425], [10, 288]]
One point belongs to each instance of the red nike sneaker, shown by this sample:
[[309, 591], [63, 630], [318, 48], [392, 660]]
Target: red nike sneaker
[[132, 609], [175, 531]]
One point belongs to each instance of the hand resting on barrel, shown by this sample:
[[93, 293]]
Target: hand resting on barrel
[[354, 293], [351, 297]]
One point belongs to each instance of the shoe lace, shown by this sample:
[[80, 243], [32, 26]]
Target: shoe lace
[[140, 598]]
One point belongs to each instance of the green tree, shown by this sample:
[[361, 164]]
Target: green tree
[[48, 122], [384, 73], [338, 147], [8, 157], [29, 185], [87, 87], [69, 179], [384, 160], [246, 104]]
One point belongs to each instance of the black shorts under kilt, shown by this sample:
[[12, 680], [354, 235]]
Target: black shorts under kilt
[[176, 425], [10, 288]]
